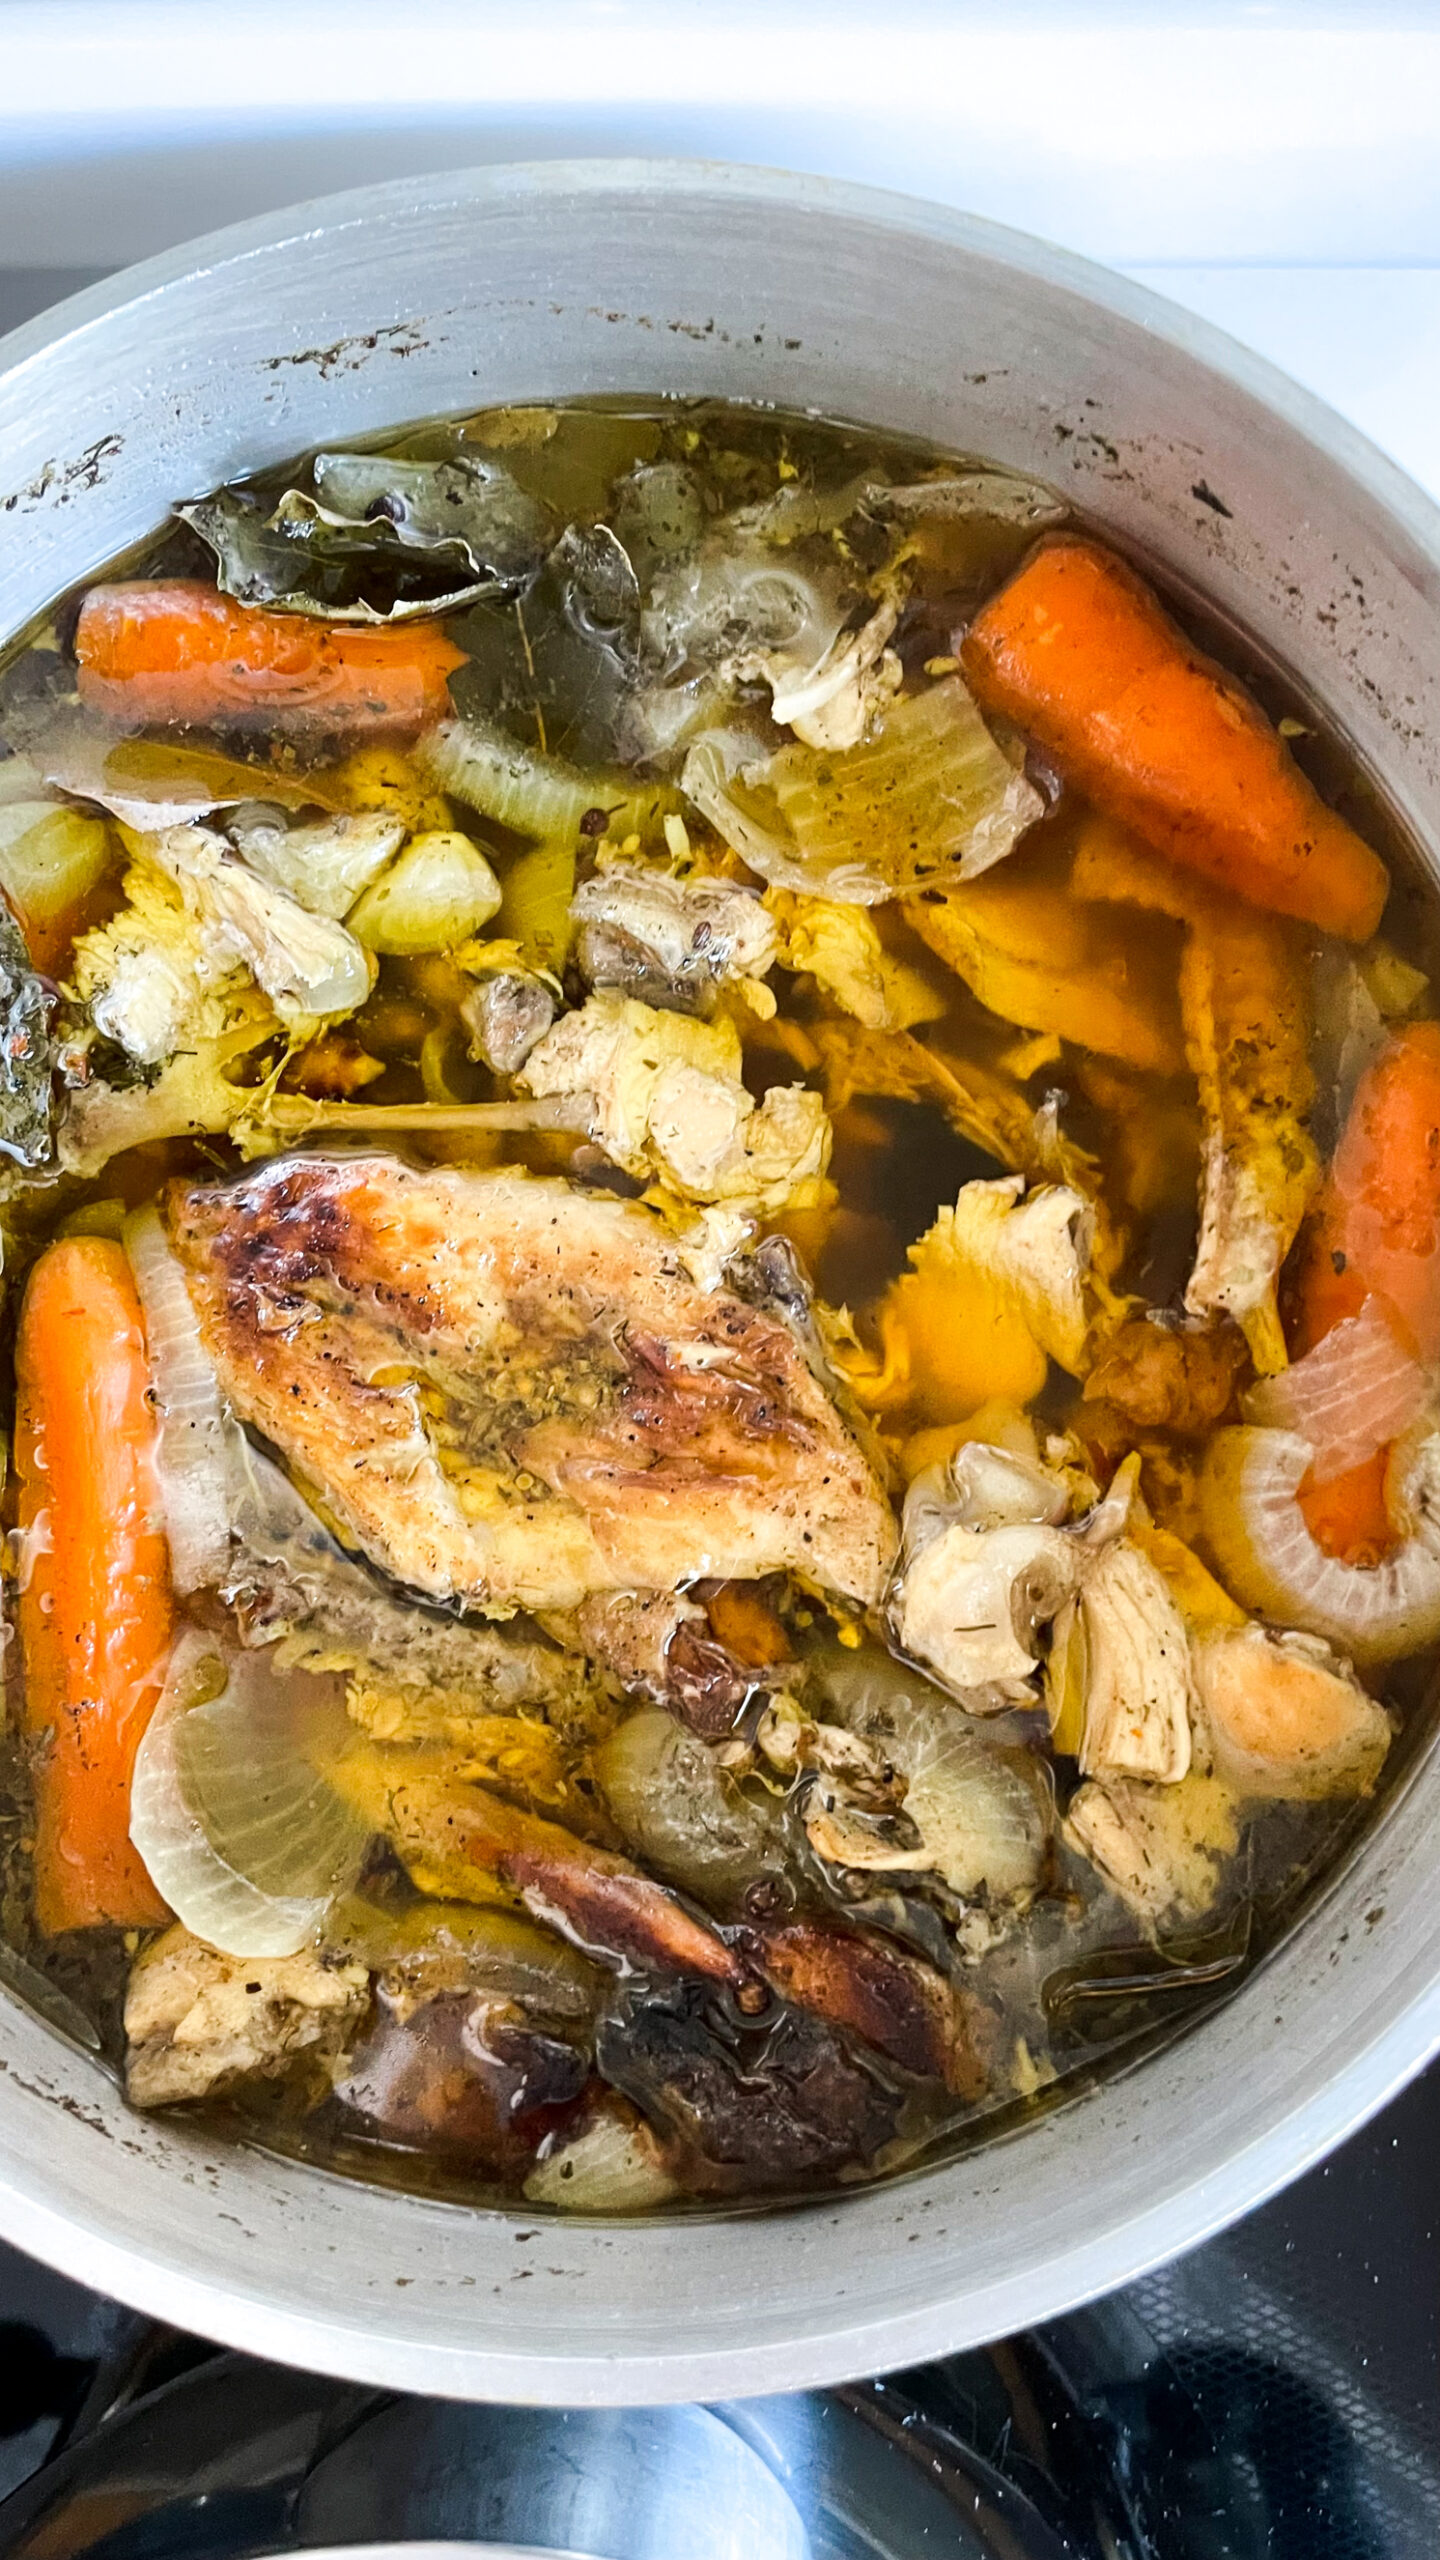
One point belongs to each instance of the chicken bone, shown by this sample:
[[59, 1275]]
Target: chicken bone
[[309, 966], [971, 1819], [1138, 1687], [794, 1744], [665, 1100], [830, 702], [197, 2021], [325, 864], [988, 1561], [711, 1142], [1035, 1246], [1162, 1850], [507, 1015], [850, 1793], [657, 1644], [971, 1604], [673, 943]]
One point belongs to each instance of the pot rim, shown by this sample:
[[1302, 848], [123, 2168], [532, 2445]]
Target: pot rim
[[248, 2318], [1400, 2039], [886, 208]]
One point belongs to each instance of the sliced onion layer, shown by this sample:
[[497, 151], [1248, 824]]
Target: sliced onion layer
[[1270, 1561], [1354, 1393], [197, 1434], [238, 1830], [613, 2165]]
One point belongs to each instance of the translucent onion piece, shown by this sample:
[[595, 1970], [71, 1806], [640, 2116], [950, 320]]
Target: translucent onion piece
[[439, 892], [1268, 1559], [750, 825], [680, 1813], [931, 790], [533, 794], [658, 512], [324, 866], [1283, 1718], [928, 796], [239, 1832], [983, 1815], [198, 1438], [614, 2166], [983, 1811], [795, 511], [1353, 1394]]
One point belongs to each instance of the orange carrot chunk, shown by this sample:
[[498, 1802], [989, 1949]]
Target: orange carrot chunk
[[95, 1614], [1348, 1515], [153, 650], [1375, 1233], [1080, 654], [742, 1619]]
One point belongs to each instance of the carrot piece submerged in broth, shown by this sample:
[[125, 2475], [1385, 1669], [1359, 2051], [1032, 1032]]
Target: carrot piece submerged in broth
[[1375, 1234], [174, 650], [95, 1612], [1080, 654]]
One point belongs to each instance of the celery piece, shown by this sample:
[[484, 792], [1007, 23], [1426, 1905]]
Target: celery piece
[[535, 794], [535, 897]]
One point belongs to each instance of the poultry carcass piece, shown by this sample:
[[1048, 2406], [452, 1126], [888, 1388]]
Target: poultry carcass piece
[[514, 1393]]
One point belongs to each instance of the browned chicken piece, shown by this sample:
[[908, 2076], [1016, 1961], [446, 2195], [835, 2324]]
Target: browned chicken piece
[[292, 1585], [461, 1843], [737, 2108], [888, 1998], [659, 1646], [1179, 1378], [514, 1393]]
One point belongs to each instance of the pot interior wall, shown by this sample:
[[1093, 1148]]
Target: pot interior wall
[[529, 284]]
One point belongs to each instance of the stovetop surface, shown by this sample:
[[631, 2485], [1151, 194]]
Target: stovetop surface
[[1270, 2397]]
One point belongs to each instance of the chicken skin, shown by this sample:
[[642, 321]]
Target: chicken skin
[[512, 1393]]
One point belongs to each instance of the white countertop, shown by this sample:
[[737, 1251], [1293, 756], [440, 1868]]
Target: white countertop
[[1273, 163]]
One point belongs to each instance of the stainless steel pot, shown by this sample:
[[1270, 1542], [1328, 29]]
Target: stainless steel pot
[[527, 284]]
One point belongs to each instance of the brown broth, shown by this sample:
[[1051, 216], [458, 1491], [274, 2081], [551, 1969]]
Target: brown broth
[[1078, 1985]]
